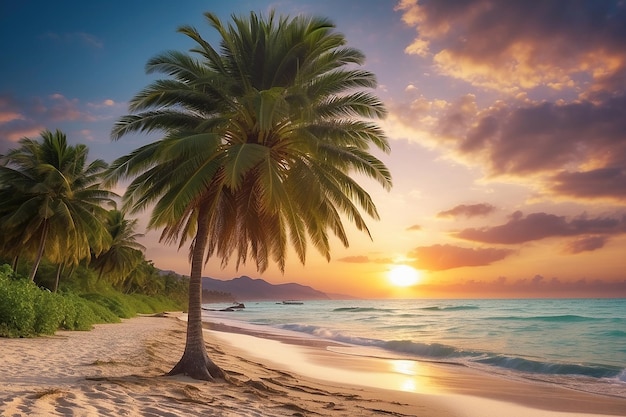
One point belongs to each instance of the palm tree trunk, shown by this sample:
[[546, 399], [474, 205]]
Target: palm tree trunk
[[195, 361], [16, 261], [58, 277], [42, 245]]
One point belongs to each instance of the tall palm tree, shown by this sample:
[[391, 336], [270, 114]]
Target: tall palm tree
[[56, 202], [259, 142], [124, 253]]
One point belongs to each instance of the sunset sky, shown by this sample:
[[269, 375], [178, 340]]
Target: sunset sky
[[507, 124]]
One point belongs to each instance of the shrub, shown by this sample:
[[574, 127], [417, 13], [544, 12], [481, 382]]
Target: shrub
[[101, 313], [113, 302], [49, 312], [17, 312], [78, 315]]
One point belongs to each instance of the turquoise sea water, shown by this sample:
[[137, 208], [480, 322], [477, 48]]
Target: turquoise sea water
[[580, 343]]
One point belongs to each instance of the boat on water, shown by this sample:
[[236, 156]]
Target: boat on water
[[291, 302], [234, 307]]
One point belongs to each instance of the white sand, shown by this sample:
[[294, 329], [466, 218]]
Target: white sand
[[117, 370]]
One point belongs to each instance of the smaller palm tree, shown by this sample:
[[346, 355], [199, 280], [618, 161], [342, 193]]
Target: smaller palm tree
[[124, 253], [55, 203]]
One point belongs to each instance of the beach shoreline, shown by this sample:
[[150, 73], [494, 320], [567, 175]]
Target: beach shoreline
[[117, 369]]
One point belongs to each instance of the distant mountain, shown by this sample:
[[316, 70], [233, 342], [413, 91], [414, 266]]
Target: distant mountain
[[248, 289]]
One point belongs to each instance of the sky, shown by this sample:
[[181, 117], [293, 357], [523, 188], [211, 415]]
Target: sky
[[507, 125]]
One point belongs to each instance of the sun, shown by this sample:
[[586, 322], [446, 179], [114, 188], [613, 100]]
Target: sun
[[403, 276]]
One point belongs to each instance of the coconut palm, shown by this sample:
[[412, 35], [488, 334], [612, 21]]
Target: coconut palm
[[56, 203], [124, 253], [259, 142]]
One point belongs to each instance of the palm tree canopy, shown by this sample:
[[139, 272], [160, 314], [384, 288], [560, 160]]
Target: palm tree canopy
[[125, 252], [54, 199], [261, 134]]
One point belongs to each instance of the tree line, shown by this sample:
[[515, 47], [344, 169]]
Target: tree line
[[55, 208]]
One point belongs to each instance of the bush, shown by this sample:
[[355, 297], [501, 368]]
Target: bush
[[113, 302], [80, 314], [17, 312], [49, 312], [25, 309], [101, 313]]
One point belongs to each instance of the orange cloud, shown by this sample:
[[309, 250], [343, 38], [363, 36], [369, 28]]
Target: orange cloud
[[355, 259], [471, 210], [362, 259], [442, 257]]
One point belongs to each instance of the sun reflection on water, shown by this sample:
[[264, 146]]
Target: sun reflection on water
[[409, 368]]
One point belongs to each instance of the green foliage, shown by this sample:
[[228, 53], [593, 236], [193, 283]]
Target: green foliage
[[101, 313], [78, 315], [114, 302], [17, 312], [49, 311], [27, 310]]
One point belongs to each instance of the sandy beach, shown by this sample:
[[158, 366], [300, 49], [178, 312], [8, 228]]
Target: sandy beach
[[117, 370]]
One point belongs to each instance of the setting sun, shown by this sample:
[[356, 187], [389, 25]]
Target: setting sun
[[403, 276]]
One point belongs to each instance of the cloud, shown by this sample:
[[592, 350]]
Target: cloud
[[548, 137], [471, 210], [9, 116], [442, 257], [609, 182], [355, 259], [103, 104], [574, 150], [537, 226], [510, 45], [586, 244], [414, 227], [27, 118], [362, 259], [59, 108], [81, 38], [573, 147], [537, 286]]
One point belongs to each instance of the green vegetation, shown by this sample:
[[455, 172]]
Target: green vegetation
[[59, 227], [28, 310]]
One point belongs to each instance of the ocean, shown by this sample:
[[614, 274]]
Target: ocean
[[577, 343]]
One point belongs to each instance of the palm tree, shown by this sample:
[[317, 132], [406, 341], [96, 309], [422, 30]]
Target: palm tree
[[124, 253], [259, 142], [55, 204]]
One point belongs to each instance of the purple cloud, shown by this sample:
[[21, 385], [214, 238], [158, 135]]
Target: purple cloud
[[538, 286], [536, 226], [27, 118], [586, 244], [574, 147], [508, 45]]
